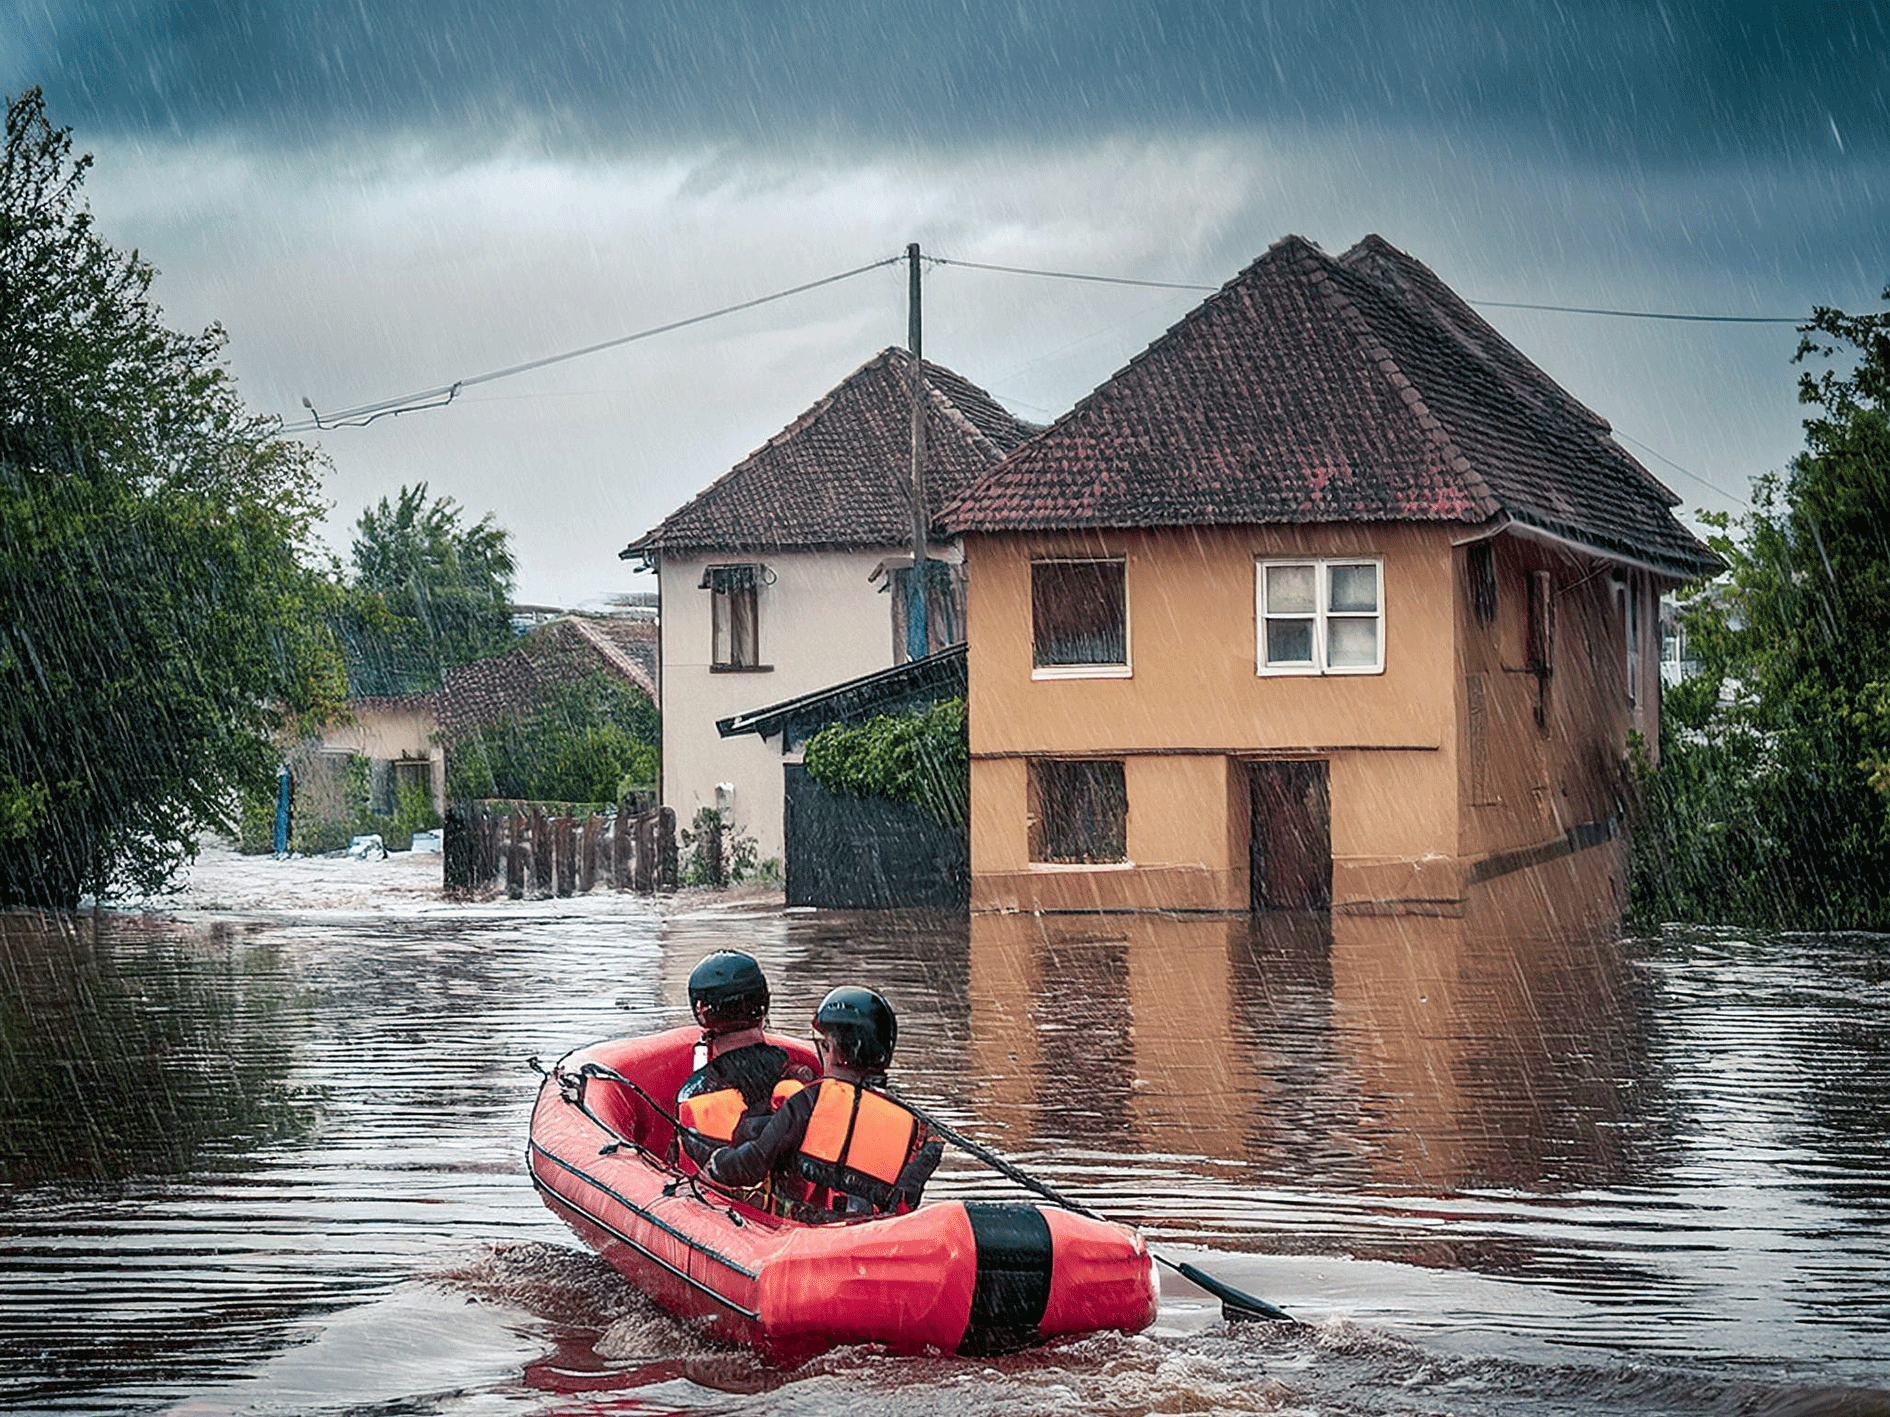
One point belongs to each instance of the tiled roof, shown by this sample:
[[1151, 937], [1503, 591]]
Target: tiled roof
[[1307, 390], [838, 475], [560, 652]]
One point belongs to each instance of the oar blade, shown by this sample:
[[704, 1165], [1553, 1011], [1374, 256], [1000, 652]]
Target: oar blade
[[1236, 1306]]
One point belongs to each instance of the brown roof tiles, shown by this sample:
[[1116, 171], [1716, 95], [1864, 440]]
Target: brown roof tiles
[[1308, 389], [838, 475]]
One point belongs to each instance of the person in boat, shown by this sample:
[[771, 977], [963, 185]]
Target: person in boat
[[740, 1077], [843, 1146]]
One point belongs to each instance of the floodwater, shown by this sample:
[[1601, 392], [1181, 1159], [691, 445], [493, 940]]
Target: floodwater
[[273, 1163]]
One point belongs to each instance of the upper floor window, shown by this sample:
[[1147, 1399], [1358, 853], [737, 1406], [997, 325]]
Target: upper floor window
[[1320, 616], [734, 630], [1079, 613]]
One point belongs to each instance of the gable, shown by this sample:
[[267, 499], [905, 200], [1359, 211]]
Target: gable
[[839, 475], [1313, 390]]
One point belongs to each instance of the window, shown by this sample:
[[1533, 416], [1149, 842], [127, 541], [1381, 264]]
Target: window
[[1628, 585], [1079, 811], [1079, 617], [1539, 641], [1320, 617], [1480, 565], [734, 632]]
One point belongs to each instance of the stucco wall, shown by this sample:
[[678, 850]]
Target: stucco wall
[[392, 732], [1526, 783], [820, 623], [1193, 707]]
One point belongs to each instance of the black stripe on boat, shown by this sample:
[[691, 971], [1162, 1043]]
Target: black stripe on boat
[[648, 1218], [1013, 1284]]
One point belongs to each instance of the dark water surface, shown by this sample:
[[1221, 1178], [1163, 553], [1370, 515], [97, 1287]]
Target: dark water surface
[[274, 1165]]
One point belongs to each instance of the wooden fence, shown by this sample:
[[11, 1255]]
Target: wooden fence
[[536, 849]]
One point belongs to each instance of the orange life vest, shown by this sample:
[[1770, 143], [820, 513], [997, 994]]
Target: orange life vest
[[857, 1144]]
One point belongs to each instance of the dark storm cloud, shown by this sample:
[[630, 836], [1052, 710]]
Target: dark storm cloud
[[1649, 83]]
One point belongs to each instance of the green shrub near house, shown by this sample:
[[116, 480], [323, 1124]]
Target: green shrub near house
[[923, 758]]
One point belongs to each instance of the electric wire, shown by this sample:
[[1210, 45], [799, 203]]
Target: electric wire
[[1494, 304], [442, 394]]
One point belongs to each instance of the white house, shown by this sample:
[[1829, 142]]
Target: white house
[[773, 581]]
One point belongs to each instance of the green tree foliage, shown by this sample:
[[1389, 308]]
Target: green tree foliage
[[430, 592], [1772, 803], [593, 741], [922, 758], [159, 610]]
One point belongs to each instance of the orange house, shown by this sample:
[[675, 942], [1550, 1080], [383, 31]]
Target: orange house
[[1330, 599]]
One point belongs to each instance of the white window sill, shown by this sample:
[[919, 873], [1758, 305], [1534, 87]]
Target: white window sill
[[1313, 671], [1081, 671], [1051, 868]]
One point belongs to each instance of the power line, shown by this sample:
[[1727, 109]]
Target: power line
[[1494, 304], [1647, 314], [1711, 487], [1068, 275], [443, 394]]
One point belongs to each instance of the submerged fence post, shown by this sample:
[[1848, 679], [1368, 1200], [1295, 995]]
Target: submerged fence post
[[515, 857], [622, 849], [666, 847], [456, 848]]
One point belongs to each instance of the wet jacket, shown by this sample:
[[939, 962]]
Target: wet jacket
[[837, 1148], [733, 1095]]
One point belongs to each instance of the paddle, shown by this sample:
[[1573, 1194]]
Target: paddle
[[1235, 1304]]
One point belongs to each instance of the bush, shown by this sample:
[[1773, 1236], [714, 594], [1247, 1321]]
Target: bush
[[593, 741], [717, 854], [921, 758]]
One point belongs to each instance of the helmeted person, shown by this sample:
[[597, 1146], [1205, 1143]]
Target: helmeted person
[[740, 1077], [842, 1146]]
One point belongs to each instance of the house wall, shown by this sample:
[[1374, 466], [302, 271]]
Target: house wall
[[1193, 711], [1529, 787], [392, 732], [820, 621]]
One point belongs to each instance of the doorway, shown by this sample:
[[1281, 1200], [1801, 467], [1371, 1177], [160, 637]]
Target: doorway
[[1289, 849]]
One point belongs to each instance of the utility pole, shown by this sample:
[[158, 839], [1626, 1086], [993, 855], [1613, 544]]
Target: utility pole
[[917, 642]]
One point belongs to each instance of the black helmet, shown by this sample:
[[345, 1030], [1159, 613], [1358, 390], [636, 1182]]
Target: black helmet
[[728, 990], [862, 1026]]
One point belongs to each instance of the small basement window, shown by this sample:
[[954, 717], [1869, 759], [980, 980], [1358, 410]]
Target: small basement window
[[1079, 811]]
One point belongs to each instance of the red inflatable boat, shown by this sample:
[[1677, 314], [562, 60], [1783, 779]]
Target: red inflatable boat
[[966, 1276]]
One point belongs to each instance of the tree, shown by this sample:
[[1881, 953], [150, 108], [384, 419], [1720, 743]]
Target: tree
[[593, 740], [161, 609], [1772, 804], [432, 593]]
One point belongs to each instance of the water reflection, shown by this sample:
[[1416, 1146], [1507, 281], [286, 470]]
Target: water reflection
[[1502, 1048], [152, 1062]]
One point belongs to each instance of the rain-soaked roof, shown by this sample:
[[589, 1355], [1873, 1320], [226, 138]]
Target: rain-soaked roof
[[839, 474], [1309, 389]]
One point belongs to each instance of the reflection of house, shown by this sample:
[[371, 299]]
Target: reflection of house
[[772, 578], [1345, 1053], [401, 737], [1330, 597]]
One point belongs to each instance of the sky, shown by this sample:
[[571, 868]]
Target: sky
[[382, 197]]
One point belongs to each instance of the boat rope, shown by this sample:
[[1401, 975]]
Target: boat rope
[[572, 1087]]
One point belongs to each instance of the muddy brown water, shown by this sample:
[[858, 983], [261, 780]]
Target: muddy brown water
[[272, 1163]]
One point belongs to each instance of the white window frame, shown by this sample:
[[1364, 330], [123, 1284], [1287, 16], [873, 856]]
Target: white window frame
[[1122, 670], [1321, 615]]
